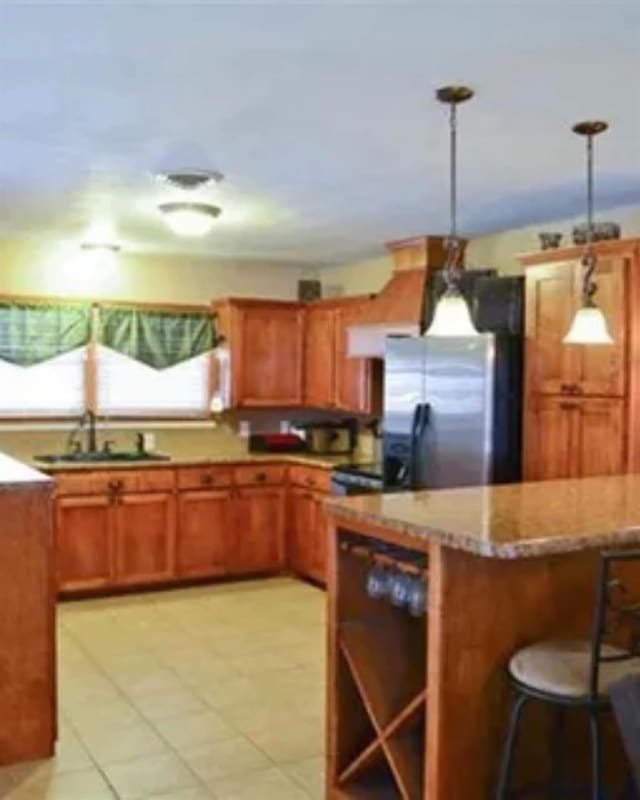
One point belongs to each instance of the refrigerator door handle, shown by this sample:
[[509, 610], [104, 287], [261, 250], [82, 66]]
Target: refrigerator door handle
[[420, 421]]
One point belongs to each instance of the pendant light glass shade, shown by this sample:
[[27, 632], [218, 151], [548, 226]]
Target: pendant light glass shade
[[189, 219], [589, 326], [451, 318]]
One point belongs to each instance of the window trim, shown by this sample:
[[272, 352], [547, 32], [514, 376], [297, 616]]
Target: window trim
[[91, 367]]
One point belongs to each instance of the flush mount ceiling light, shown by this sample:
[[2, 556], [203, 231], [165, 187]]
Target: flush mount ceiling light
[[100, 254], [189, 217], [451, 317], [589, 325]]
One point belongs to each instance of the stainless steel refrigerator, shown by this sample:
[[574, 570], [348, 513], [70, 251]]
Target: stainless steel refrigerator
[[452, 411]]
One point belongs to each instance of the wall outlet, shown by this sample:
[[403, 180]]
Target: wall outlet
[[244, 429], [285, 426]]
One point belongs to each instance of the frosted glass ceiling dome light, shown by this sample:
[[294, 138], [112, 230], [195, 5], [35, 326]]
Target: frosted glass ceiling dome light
[[189, 215], [589, 325], [189, 219], [452, 317]]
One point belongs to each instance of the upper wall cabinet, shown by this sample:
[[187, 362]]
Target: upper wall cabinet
[[265, 344], [554, 293]]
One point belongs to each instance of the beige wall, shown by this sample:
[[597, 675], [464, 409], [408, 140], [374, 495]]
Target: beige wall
[[500, 249], [32, 268], [361, 277]]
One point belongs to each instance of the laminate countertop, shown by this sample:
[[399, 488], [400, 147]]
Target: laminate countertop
[[512, 521]]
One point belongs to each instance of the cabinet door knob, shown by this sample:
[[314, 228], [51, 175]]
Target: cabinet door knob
[[310, 481], [261, 477], [206, 479], [115, 486]]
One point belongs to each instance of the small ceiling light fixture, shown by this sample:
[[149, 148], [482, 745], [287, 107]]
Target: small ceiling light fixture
[[589, 325], [190, 217], [451, 317]]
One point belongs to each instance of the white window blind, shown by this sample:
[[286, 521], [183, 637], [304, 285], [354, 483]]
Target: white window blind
[[52, 388], [127, 387]]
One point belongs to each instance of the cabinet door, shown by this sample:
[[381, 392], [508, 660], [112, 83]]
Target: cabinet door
[[319, 565], [144, 537], [600, 441], [551, 365], [84, 542], [301, 533], [601, 369], [319, 358], [549, 429], [204, 529], [267, 357], [258, 534], [353, 375]]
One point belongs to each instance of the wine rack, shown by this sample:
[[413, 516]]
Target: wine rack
[[381, 690]]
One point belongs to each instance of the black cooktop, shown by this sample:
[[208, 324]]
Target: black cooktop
[[373, 470]]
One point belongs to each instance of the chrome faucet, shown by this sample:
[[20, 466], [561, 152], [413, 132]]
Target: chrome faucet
[[87, 421]]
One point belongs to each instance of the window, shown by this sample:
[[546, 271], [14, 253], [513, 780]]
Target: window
[[52, 388], [129, 387]]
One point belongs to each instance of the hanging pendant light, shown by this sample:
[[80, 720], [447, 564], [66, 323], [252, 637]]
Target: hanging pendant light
[[451, 317], [589, 325]]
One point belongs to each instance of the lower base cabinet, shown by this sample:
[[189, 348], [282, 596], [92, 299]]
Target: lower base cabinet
[[84, 543], [205, 525], [306, 534], [144, 537], [257, 544]]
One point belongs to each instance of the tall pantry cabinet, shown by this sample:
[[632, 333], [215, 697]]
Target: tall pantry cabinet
[[582, 402]]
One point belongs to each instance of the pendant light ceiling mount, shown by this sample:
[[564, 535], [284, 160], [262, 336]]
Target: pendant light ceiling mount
[[451, 317], [589, 324]]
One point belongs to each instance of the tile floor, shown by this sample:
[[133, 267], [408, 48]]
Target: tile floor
[[191, 694]]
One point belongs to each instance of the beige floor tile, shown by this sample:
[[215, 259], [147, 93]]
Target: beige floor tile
[[268, 784], [194, 730], [177, 702], [268, 714], [293, 743], [195, 793], [6, 780], [225, 758], [112, 714], [85, 785], [157, 681], [310, 775], [259, 663], [223, 693], [149, 776], [109, 745]]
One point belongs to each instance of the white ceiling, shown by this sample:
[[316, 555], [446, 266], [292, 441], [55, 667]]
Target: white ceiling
[[321, 115]]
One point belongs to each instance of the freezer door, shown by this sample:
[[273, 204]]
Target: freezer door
[[453, 446]]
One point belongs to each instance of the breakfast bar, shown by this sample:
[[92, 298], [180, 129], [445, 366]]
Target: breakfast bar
[[418, 704]]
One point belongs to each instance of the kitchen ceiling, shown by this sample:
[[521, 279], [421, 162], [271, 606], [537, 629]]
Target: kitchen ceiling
[[321, 116]]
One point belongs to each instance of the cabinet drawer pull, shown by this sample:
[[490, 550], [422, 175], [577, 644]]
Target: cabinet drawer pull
[[568, 406], [206, 480], [260, 477], [115, 486], [310, 481]]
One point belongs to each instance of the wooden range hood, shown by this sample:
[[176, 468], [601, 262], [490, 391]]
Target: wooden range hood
[[399, 308]]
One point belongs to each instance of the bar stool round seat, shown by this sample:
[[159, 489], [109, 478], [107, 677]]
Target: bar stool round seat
[[562, 669]]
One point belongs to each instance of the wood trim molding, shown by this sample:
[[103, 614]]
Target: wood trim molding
[[605, 248]]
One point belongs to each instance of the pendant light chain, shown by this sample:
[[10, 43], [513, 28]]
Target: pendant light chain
[[589, 260], [452, 242]]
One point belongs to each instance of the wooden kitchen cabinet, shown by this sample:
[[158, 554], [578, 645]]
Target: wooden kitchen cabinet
[[554, 293], [573, 438], [353, 389], [84, 542], [306, 532], [144, 537], [265, 341], [320, 358], [258, 543], [204, 534]]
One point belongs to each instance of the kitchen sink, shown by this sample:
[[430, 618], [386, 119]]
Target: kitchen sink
[[99, 456]]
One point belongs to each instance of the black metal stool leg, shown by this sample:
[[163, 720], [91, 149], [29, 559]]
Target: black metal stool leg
[[509, 748], [557, 787], [596, 757]]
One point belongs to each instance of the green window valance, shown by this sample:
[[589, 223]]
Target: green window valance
[[31, 333], [159, 339]]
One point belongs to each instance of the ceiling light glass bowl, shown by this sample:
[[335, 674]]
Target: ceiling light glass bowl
[[189, 219], [589, 327], [451, 318]]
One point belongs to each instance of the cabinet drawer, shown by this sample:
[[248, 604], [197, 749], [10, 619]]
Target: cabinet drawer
[[259, 475], [204, 477], [311, 478], [105, 481]]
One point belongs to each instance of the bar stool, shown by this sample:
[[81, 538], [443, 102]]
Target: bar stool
[[578, 675]]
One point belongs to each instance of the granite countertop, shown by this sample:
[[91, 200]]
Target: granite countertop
[[186, 460], [16, 475], [511, 521]]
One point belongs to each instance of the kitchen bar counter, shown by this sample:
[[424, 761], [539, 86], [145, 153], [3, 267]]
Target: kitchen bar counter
[[512, 521], [418, 707], [27, 619]]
